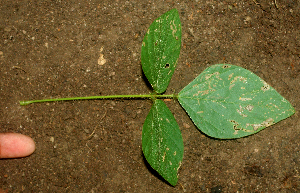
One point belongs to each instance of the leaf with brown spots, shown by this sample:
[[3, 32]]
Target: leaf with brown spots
[[162, 142], [227, 101]]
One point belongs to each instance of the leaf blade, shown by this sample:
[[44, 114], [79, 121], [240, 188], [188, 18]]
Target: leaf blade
[[227, 101], [162, 142], [160, 50]]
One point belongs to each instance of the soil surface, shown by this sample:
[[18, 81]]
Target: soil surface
[[53, 48]]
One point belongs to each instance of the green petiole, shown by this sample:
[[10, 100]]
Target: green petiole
[[145, 96]]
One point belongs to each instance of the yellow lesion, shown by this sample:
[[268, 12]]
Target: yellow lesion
[[241, 110], [230, 87], [203, 92], [249, 108], [237, 128], [173, 28], [208, 76], [178, 167], [265, 86], [163, 157], [240, 78], [245, 99], [230, 76], [226, 66], [266, 123]]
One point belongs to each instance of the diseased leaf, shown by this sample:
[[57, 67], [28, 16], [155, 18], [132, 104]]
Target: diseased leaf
[[227, 101], [160, 50], [162, 142]]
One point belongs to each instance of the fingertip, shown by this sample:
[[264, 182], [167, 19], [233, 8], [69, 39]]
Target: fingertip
[[30, 145], [14, 145]]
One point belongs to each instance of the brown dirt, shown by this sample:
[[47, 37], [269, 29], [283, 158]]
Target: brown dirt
[[51, 49]]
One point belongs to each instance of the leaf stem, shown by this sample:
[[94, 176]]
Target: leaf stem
[[144, 96]]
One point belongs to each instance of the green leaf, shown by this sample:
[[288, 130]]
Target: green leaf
[[227, 101], [162, 142], [160, 50]]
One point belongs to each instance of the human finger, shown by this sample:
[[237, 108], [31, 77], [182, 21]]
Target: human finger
[[14, 145]]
